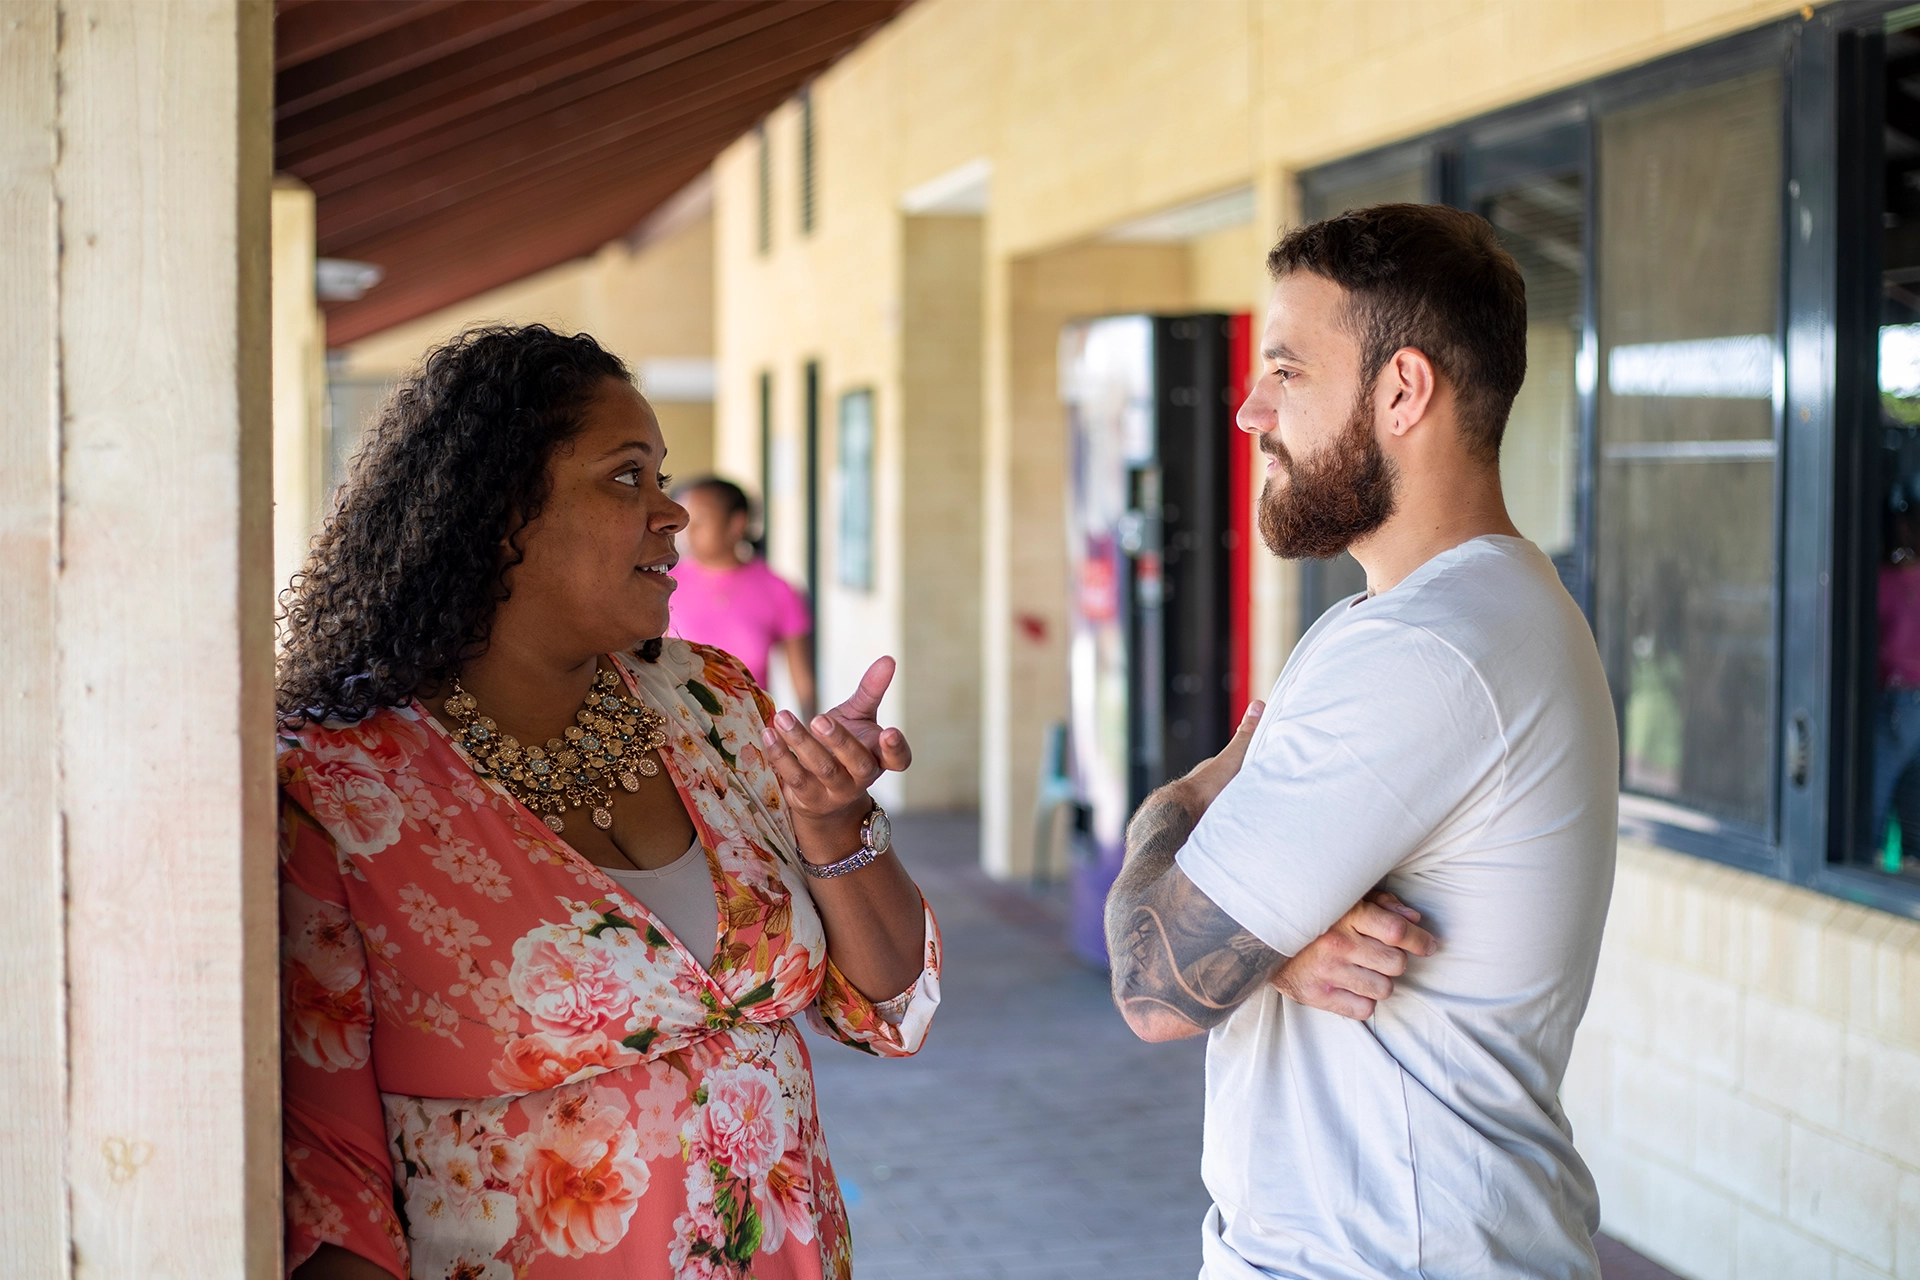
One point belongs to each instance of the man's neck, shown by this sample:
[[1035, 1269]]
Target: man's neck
[[722, 564], [1431, 518]]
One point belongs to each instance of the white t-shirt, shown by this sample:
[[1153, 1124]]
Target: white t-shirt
[[1453, 738]]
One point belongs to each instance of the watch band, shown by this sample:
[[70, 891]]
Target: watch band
[[869, 850], [852, 862]]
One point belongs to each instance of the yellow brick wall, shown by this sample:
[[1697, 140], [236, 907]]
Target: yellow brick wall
[[1746, 1085], [940, 526]]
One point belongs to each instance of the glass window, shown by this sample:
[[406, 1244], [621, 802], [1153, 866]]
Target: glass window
[[856, 490], [1533, 190], [1689, 280], [1886, 833]]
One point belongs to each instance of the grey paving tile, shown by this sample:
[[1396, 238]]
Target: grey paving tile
[[1034, 1137]]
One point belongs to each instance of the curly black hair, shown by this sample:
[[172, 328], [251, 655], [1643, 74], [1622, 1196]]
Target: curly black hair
[[401, 584]]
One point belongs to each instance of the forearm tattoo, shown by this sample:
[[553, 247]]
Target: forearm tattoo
[[1180, 964]]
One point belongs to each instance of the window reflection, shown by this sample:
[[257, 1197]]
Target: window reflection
[[1892, 842], [1688, 275], [1542, 223]]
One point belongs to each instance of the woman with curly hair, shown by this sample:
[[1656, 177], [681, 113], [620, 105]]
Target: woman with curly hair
[[553, 889]]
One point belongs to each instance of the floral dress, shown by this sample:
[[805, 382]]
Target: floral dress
[[499, 1065]]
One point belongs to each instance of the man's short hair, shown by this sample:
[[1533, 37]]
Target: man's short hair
[[733, 499], [1435, 279]]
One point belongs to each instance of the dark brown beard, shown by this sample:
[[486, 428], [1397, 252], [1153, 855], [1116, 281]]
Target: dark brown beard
[[1343, 494]]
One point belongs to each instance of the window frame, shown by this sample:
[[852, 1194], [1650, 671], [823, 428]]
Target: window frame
[[1818, 595], [855, 549], [808, 159], [763, 191]]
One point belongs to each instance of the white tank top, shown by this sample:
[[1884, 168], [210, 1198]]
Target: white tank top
[[680, 895]]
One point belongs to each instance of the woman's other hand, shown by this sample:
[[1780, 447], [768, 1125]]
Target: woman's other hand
[[826, 767], [859, 716], [1350, 968]]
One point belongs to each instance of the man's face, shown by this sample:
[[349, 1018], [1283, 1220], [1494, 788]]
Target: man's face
[[1328, 482]]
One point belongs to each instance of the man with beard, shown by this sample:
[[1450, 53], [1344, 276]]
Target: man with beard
[[1447, 736]]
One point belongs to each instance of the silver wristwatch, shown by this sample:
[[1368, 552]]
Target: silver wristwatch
[[876, 837]]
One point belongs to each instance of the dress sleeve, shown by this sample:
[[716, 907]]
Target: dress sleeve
[[889, 1032], [338, 1173]]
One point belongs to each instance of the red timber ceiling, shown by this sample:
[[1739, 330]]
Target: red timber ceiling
[[464, 144]]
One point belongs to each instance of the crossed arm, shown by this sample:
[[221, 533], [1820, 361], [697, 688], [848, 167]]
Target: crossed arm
[[1181, 965]]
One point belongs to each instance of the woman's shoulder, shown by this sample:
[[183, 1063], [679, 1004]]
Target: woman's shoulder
[[386, 741]]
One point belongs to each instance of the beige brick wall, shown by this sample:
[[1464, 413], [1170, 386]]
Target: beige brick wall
[[1746, 1085], [940, 524]]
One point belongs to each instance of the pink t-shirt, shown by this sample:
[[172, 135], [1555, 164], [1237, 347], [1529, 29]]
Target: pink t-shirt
[[1900, 626], [745, 611]]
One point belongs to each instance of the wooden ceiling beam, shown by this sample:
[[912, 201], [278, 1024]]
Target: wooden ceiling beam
[[741, 82], [558, 141], [532, 199], [305, 31], [412, 45], [471, 268], [379, 208], [463, 148], [502, 73]]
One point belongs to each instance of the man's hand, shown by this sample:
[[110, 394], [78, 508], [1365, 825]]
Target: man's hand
[[1350, 968], [1210, 777]]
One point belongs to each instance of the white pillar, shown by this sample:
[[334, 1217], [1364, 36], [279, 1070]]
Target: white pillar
[[140, 1043], [33, 1225], [299, 382]]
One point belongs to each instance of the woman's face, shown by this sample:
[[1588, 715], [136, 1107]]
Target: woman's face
[[594, 574]]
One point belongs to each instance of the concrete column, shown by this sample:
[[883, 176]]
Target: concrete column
[[299, 382], [33, 1227], [139, 956], [940, 521]]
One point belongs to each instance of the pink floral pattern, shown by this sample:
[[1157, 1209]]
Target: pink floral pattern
[[499, 1066]]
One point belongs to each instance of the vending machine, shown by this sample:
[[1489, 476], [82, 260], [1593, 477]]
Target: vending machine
[[1159, 541]]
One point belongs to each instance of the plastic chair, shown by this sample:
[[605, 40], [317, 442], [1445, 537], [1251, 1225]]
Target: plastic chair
[[1055, 792]]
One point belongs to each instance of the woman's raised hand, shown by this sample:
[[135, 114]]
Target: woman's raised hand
[[826, 767]]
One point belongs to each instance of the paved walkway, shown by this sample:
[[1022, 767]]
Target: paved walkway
[[1034, 1136]]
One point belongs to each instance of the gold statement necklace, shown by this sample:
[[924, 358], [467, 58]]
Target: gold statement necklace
[[608, 743]]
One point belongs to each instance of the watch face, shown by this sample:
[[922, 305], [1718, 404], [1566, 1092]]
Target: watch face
[[879, 831]]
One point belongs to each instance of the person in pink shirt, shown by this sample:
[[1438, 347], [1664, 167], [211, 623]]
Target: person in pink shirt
[[729, 598]]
